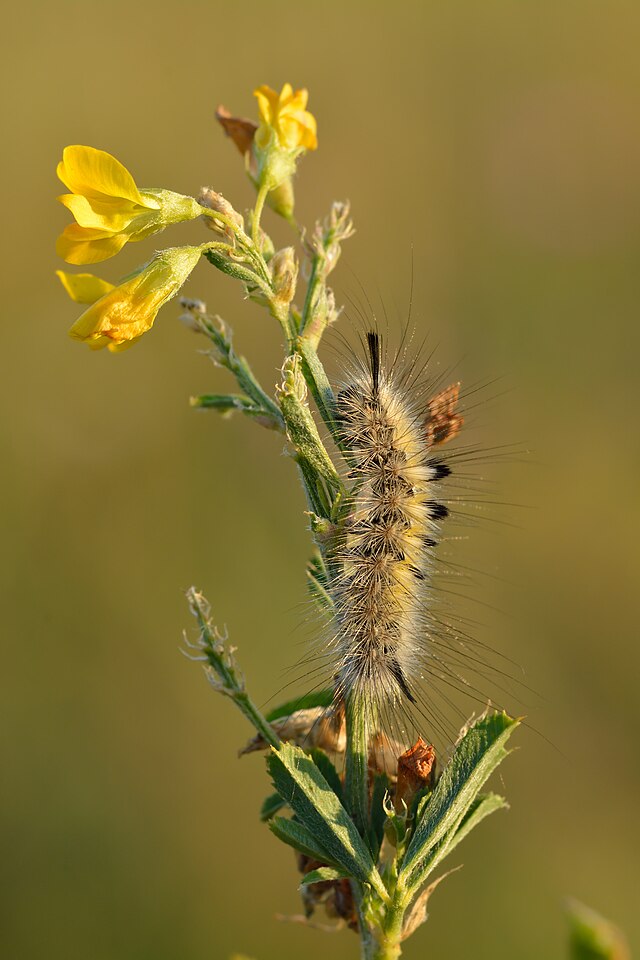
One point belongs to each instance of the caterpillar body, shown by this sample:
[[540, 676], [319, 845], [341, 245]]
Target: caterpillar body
[[380, 595]]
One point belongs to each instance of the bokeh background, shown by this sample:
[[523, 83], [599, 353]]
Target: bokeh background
[[496, 144]]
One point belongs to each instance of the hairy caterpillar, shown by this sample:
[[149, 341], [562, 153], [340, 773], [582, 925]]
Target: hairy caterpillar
[[380, 595]]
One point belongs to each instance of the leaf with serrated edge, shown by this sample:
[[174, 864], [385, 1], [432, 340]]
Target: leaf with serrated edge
[[322, 874], [299, 782], [271, 805], [474, 760], [297, 836], [328, 771]]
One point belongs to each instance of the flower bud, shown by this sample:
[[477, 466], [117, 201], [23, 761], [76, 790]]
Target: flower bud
[[194, 311], [124, 313], [216, 202], [284, 270]]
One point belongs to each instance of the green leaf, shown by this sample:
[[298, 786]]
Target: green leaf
[[378, 816], [227, 403], [593, 937], [317, 698], [296, 835], [482, 806], [298, 781], [475, 758], [322, 874], [271, 806], [328, 771], [318, 583], [223, 402]]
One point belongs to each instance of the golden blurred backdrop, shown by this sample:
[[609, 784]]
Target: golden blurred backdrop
[[495, 145]]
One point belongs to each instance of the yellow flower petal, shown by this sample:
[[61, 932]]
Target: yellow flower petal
[[95, 173], [84, 287], [98, 343], [267, 102], [286, 114], [114, 347], [80, 245], [298, 129], [112, 216]]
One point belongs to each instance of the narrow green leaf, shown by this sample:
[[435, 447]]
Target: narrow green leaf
[[322, 875], [482, 806], [318, 583], [378, 815], [296, 835], [271, 806], [298, 781], [228, 403], [475, 758], [317, 698], [223, 402]]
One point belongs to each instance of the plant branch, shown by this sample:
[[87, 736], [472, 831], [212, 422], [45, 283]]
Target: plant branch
[[220, 660]]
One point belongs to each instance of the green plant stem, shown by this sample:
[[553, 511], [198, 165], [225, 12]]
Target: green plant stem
[[356, 762], [281, 312], [379, 942], [316, 279], [239, 367], [257, 214], [388, 946]]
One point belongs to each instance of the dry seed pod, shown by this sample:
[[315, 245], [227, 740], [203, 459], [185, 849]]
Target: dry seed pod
[[314, 727]]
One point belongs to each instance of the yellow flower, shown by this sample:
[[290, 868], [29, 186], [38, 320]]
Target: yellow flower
[[285, 114], [120, 315], [108, 207], [84, 287]]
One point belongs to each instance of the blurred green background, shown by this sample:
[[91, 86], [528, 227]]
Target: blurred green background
[[496, 143]]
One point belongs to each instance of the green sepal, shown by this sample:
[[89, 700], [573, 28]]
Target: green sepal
[[317, 698], [224, 262], [299, 781], [475, 758], [322, 875], [271, 806]]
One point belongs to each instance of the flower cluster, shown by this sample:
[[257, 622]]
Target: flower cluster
[[109, 210], [271, 149]]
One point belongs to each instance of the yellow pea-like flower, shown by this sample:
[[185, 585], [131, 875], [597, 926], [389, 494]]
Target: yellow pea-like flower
[[285, 115], [108, 207], [120, 315]]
